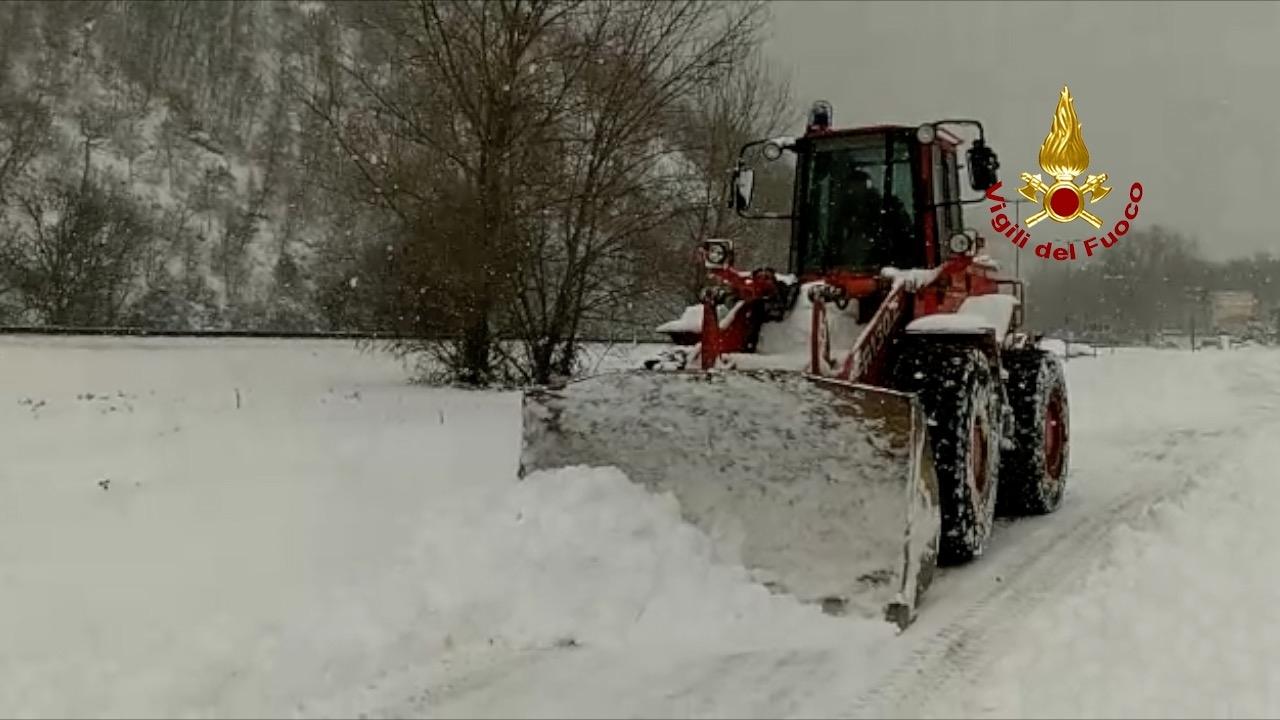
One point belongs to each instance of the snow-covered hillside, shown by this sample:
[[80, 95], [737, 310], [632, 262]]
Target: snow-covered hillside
[[195, 528], [177, 117]]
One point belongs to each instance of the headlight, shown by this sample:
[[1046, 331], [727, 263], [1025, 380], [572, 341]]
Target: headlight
[[771, 151], [718, 253], [926, 133], [960, 244]]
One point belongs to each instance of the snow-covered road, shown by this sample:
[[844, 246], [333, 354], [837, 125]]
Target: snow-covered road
[[288, 529]]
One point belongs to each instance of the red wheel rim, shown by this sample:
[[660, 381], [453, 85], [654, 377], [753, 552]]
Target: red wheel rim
[[978, 457], [1054, 438]]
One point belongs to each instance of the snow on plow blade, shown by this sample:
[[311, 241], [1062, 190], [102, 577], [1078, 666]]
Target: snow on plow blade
[[823, 489]]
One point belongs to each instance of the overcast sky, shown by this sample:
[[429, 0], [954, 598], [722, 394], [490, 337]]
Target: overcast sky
[[1183, 97]]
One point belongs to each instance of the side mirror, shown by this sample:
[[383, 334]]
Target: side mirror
[[743, 184], [983, 166]]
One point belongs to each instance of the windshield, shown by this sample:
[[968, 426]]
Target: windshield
[[847, 219]]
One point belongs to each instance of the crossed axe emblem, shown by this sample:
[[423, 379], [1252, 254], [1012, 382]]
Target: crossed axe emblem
[[1064, 200]]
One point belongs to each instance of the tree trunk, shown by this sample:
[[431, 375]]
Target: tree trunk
[[541, 361], [476, 347]]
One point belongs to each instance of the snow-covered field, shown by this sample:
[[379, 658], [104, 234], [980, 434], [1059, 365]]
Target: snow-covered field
[[253, 528]]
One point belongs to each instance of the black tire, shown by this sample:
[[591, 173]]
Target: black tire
[[963, 405], [1033, 468]]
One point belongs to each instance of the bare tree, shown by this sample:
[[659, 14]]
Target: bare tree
[[74, 257], [526, 146], [752, 103], [613, 173], [24, 133]]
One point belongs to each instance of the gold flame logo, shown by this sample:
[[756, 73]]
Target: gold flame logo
[[1064, 156]]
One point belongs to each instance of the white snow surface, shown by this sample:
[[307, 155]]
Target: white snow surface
[[975, 314], [1065, 349], [785, 345], [912, 279], [689, 321], [986, 261], [292, 530]]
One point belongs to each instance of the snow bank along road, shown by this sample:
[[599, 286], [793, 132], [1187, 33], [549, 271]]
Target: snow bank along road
[[256, 528]]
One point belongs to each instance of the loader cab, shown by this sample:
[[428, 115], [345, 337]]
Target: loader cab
[[871, 198], [855, 203]]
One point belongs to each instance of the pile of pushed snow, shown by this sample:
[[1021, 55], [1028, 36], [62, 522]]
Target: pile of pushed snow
[[584, 557], [570, 572]]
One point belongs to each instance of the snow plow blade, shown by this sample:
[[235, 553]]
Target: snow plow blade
[[822, 489]]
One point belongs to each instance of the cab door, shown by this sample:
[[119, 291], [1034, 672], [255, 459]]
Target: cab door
[[948, 213]]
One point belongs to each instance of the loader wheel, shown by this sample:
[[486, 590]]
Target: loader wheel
[[960, 400], [1033, 470]]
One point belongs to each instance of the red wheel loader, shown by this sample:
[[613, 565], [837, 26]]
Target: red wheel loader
[[842, 428]]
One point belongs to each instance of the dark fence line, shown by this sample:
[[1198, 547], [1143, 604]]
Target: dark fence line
[[270, 334], [149, 332]]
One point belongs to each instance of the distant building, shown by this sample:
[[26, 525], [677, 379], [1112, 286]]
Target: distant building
[[1232, 311], [1171, 337]]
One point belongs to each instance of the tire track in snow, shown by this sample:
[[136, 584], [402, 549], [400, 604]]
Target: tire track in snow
[[942, 663], [950, 657], [946, 657]]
